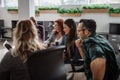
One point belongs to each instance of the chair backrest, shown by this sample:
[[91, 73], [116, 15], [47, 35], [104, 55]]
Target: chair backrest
[[47, 64], [41, 31]]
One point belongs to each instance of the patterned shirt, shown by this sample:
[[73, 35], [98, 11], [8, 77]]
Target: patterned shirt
[[97, 46]]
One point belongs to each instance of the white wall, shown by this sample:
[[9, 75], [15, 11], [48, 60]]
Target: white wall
[[7, 17], [102, 19]]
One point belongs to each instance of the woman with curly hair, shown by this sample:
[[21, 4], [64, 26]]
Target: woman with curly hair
[[57, 35], [25, 41]]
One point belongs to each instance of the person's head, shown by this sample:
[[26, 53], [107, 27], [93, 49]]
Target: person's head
[[25, 31], [86, 27], [70, 28], [33, 20], [58, 26], [25, 39]]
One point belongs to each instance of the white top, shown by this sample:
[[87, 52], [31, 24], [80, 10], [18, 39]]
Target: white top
[[59, 40]]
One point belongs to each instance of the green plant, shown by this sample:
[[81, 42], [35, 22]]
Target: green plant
[[37, 12], [114, 10], [12, 9], [48, 8], [71, 10], [96, 6]]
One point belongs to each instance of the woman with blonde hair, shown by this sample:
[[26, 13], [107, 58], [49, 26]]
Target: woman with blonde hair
[[26, 39], [25, 42], [33, 20]]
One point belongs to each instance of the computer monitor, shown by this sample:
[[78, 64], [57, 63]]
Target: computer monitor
[[1, 23], [14, 22], [114, 28]]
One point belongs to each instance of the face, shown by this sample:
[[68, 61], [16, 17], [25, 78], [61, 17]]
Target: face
[[80, 31], [66, 29], [56, 27]]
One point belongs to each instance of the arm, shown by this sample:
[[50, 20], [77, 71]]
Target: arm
[[81, 52], [50, 39], [78, 44], [98, 68]]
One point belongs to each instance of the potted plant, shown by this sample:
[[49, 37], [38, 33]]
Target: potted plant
[[96, 8], [114, 12], [48, 9], [12, 10], [70, 12], [37, 12]]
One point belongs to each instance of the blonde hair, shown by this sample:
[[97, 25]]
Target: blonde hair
[[26, 39], [33, 20]]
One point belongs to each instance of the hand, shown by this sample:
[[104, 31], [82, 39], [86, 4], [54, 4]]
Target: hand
[[52, 44], [78, 43], [54, 30]]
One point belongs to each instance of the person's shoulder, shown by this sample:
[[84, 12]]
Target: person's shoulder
[[94, 39], [64, 36], [90, 40], [6, 58], [4, 55], [9, 56]]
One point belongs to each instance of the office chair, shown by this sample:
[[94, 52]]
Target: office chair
[[76, 62], [47, 64], [77, 65], [2, 32], [41, 31]]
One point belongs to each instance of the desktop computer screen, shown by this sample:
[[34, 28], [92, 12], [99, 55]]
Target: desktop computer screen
[[1, 23], [114, 28]]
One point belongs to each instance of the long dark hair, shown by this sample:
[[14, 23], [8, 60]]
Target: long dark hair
[[71, 36]]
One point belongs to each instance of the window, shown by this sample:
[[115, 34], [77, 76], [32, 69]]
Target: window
[[75, 2], [14, 3], [49, 2], [36, 2], [11, 3], [105, 1]]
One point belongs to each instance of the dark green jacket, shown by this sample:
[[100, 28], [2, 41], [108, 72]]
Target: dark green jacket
[[97, 46]]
